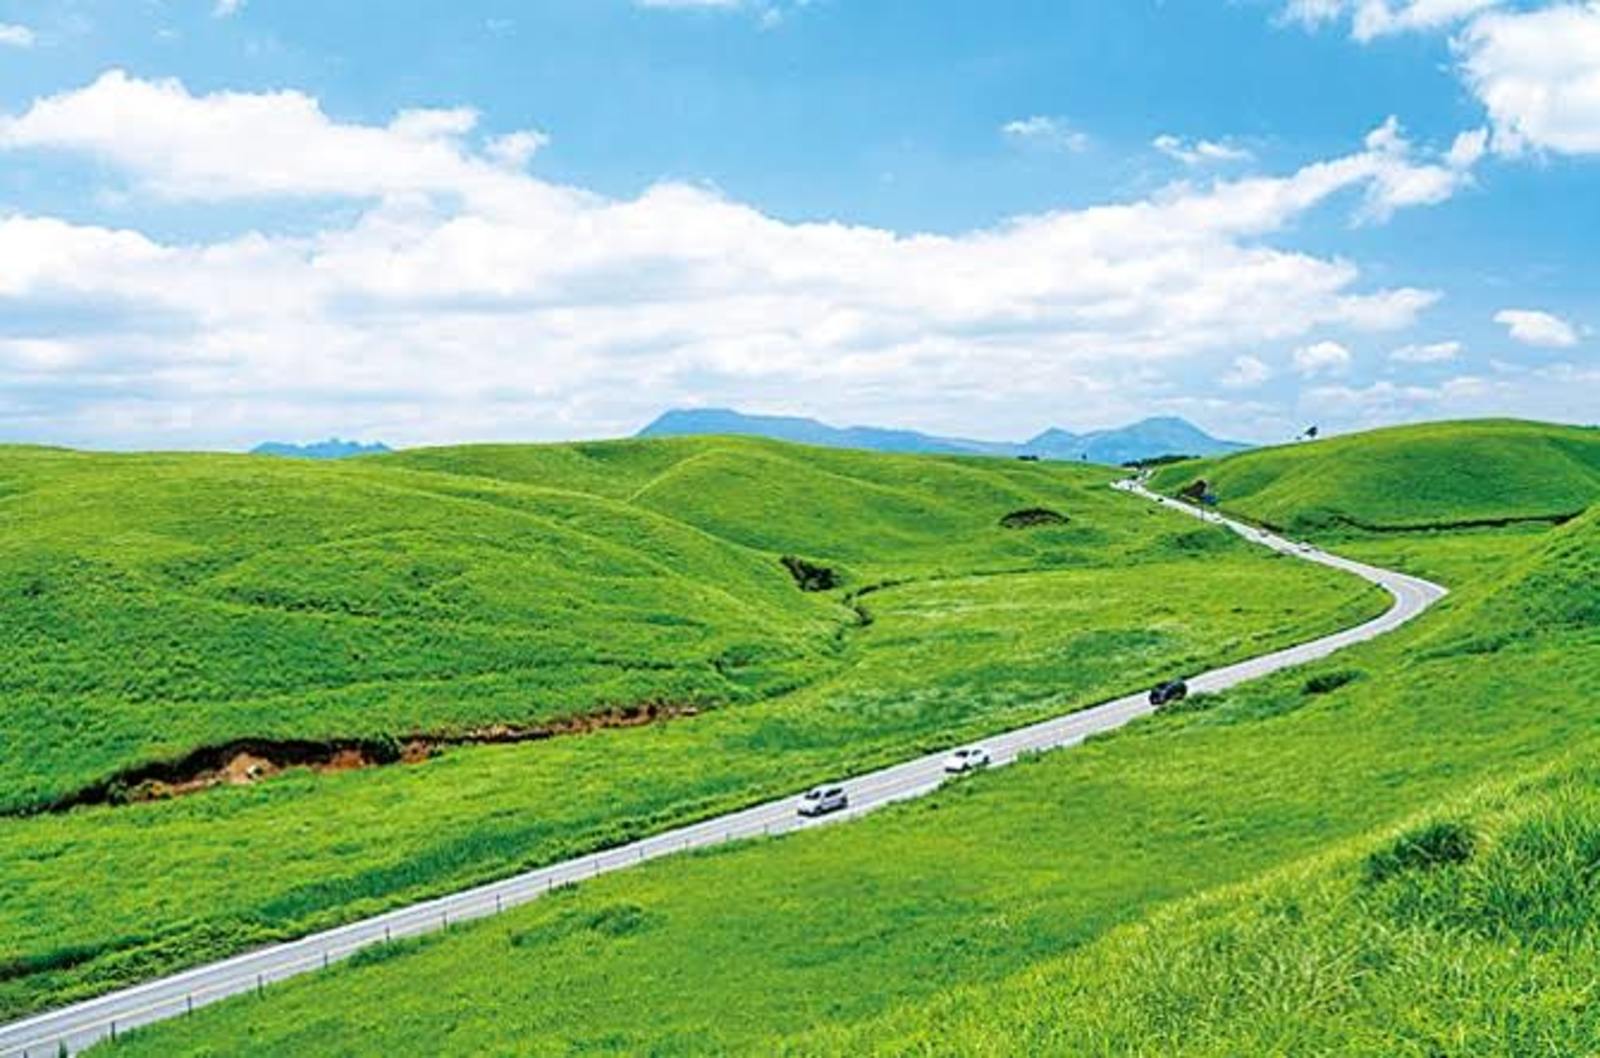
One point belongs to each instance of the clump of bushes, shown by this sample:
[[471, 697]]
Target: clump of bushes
[[1324, 682], [809, 575], [1427, 848], [1029, 517]]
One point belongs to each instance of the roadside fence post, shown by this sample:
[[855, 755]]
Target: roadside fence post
[[324, 958], [189, 1002], [261, 986], [386, 934], [113, 1029], [497, 905]]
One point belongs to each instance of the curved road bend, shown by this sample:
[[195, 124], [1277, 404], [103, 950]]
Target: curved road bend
[[82, 1024]]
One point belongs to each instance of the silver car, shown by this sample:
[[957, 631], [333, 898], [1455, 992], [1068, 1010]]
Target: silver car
[[821, 800]]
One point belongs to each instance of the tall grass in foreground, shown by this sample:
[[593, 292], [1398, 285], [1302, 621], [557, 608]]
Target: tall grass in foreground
[[1487, 949]]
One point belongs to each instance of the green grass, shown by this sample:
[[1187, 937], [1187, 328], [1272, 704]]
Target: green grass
[[1390, 852], [1407, 477], [159, 603]]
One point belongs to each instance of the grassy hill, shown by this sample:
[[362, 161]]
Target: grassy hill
[[1389, 852], [1450, 474], [159, 604]]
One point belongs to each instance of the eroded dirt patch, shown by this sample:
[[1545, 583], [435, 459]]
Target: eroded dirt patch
[[242, 762]]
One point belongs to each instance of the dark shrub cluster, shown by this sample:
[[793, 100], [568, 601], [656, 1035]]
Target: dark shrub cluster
[[809, 575], [1323, 682], [1425, 849], [1033, 516]]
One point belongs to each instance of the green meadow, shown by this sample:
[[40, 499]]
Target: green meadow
[[160, 603], [1432, 475], [1393, 851]]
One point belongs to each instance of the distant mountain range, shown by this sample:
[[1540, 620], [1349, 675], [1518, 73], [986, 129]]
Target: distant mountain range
[[332, 448], [1145, 439]]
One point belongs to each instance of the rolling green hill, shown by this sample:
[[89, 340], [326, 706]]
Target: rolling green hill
[[160, 604], [1390, 852], [1449, 474]]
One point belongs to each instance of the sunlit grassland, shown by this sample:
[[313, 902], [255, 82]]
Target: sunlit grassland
[[169, 601], [1433, 474], [1257, 872]]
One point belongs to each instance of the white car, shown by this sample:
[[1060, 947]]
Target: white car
[[823, 799], [970, 759]]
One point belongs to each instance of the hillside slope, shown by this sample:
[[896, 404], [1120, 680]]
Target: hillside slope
[[160, 603], [1436, 474], [163, 603], [1388, 853], [547, 609], [1471, 928]]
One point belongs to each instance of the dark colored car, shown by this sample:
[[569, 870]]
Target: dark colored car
[[1171, 691]]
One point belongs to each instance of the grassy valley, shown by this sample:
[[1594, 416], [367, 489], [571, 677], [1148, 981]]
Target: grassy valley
[[1388, 852], [164, 603]]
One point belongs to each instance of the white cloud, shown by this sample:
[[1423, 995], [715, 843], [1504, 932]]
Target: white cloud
[[1371, 19], [1431, 353], [514, 150], [233, 145], [1047, 132], [1200, 152], [226, 8], [1247, 372], [1534, 67], [1532, 327], [1467, 149], [1538, 75], [1396, 180], [1321, 358], [16, 36], [465, 298]]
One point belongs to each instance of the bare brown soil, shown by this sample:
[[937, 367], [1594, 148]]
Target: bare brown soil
[[243, 762]]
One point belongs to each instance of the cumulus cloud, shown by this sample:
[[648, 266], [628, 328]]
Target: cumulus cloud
[[463, 296], [1532, 327], [1371, 19], [1430, 353], [1200, 152], [1538, 74], [1321, 358], [1041, 131], [1534, 67]]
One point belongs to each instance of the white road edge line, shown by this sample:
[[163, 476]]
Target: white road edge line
[[80, 1025]]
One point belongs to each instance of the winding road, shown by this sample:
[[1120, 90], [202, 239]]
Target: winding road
[[73, 1028]]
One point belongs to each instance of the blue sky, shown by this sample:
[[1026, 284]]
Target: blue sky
[[429, 223]]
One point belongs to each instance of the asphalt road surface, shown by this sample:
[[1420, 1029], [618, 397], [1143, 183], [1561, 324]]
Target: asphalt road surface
[[80, 1025]]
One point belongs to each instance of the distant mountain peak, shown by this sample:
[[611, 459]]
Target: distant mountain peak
[[1162, 435], [332, 448]]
